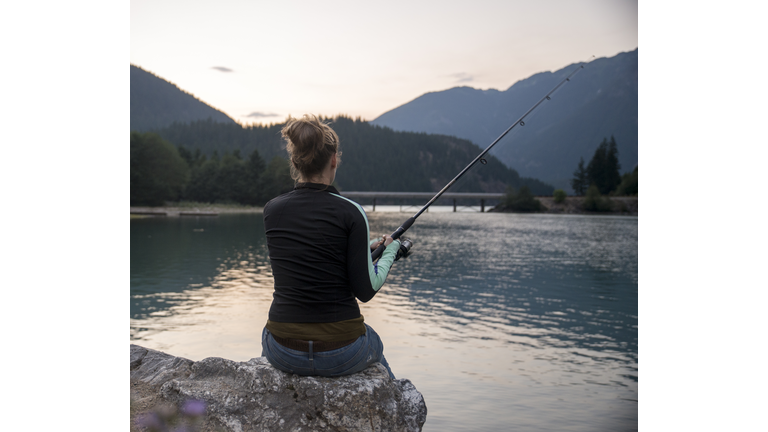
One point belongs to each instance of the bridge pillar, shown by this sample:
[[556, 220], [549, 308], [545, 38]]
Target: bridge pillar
[[454, 205], [482, 206], [374, 205]]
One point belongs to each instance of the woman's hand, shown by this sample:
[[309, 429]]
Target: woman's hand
[[384, 240]]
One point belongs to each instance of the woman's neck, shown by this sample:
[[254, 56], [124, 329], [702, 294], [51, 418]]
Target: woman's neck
[[323, 179], [327, 176]]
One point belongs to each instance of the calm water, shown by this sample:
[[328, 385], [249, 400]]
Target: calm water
[[502, 321]]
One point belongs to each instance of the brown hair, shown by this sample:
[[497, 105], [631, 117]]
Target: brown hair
[[310, 145]]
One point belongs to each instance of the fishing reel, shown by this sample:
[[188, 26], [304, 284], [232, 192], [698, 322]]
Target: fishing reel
[[405, 248]]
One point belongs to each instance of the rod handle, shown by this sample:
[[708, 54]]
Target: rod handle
[[395, 235]]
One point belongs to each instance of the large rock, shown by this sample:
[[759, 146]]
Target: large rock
[[254, 396]]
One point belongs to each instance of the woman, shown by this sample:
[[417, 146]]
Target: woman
[[321, 259]]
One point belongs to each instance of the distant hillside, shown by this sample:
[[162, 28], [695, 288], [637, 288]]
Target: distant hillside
[[374, 158], [157, 103], [600, 101]]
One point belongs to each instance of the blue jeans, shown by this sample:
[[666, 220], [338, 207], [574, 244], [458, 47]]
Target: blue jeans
[[355, 357]]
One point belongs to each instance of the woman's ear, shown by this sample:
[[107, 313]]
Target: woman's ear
[[334, 161]]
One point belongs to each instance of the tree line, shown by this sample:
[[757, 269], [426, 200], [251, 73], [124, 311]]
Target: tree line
[[601, 175], [599, 178], [375, 158], [206, 161], [162, 172]]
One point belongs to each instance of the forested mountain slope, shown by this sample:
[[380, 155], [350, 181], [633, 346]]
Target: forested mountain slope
[[374, 158], [157, 103], [600, 101]]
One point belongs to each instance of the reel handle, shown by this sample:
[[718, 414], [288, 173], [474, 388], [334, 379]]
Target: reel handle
[[376, 254]]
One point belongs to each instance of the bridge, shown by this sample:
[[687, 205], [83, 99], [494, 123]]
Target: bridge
[[425, 196]]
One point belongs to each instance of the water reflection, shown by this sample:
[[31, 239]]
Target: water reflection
[[526, 275], [524, 320], [171, 256]]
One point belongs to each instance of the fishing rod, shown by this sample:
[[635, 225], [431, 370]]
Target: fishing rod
[[405, 247]]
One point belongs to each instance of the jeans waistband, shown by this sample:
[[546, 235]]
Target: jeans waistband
[[317, 346]]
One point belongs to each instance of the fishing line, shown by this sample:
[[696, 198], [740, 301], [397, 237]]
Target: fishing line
[[406, 245]]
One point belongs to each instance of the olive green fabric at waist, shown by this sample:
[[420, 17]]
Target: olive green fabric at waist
[[327, 332]]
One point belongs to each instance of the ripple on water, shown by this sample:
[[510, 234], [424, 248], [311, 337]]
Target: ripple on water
[[498, 319]]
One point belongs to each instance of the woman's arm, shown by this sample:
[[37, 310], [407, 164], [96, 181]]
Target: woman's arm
[[366, 277]]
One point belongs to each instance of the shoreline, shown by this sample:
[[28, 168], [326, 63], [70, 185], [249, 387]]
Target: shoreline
[[571, 205], [623, 206], [192, 209]]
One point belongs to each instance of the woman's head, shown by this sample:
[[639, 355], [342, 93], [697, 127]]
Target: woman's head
[[311, 144]]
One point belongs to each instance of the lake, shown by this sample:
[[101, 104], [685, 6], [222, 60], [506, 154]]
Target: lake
[[502, 321]]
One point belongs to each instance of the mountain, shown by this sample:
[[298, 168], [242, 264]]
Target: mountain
[[599, 101], [374, 158], [157, 103]]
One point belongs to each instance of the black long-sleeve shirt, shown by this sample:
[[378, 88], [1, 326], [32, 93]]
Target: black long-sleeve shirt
[[320, 254]]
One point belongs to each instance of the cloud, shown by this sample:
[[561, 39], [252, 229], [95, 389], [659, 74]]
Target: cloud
[[462, 77], [222, 69], [261, 114]]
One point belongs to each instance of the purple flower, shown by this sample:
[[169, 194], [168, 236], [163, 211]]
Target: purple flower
[[193, 408], [150, 421]]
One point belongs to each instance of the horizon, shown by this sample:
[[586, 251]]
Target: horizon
[[342, 114], [365, 59]]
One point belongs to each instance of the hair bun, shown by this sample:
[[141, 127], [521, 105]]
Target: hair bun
[[310, 144]]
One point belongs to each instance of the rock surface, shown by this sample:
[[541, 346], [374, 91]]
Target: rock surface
[[254, 396]]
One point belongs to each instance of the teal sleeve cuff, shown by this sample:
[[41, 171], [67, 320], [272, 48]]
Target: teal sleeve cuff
[[393, 247]]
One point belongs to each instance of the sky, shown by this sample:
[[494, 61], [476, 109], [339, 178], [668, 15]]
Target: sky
[[259, 61]]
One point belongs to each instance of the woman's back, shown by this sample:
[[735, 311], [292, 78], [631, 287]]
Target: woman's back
[[310, 234]]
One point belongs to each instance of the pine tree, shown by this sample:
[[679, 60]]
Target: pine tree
[[232, 179], [203, 187], [603, 169], [628, 185], [276, 179], [613, 167], [580, 182], [254, 170], [158, 172]]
